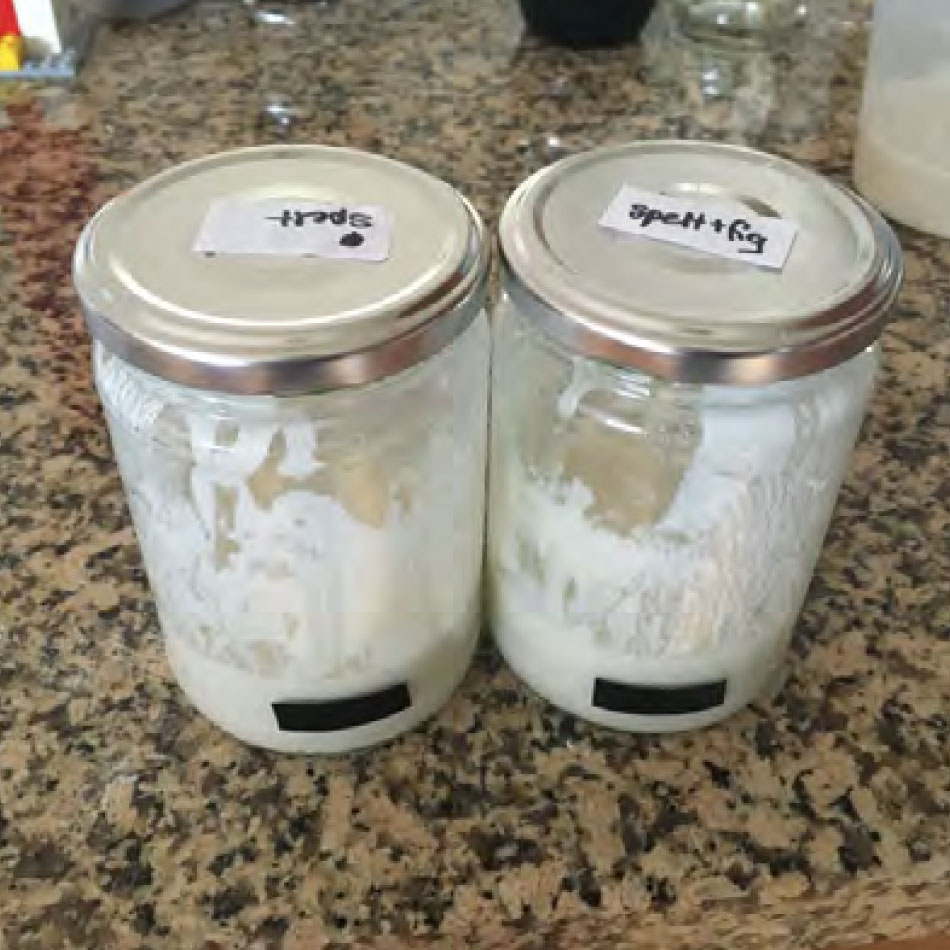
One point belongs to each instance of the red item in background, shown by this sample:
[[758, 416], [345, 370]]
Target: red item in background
[[9, 24]]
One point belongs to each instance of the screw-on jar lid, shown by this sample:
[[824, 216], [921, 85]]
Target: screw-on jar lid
[[282, 269], [612, 293]]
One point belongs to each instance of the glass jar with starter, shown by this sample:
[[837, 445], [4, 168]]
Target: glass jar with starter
[[291, 348], [685, 350]]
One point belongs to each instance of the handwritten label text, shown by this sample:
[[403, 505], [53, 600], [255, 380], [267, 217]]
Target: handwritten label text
[[717, 227], [296, 228]]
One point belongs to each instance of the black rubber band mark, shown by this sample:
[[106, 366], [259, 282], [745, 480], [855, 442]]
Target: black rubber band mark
[[336, 714], [658, 700]]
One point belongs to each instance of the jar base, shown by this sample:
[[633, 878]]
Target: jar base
[[241, 703], [569, 678]]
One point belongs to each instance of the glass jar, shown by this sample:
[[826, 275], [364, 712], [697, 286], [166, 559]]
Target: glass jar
[[286, 37], [738, 22], [301, 437], [671, 429], [902, 154]]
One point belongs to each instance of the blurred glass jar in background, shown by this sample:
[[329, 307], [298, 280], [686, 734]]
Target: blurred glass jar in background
[[777, 96], [742, 22], [711, 92], [283, 31]]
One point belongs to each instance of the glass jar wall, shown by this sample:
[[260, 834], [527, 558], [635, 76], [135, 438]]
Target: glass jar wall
[[297, 548], [651, 542]]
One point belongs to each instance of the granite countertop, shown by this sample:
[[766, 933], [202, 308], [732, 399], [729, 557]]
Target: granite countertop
[[819, 817]]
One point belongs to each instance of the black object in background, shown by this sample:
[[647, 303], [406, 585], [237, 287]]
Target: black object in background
[[587, 23]]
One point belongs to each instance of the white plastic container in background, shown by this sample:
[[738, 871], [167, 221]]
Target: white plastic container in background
[[671, 426], [292, 353], [902, 157]]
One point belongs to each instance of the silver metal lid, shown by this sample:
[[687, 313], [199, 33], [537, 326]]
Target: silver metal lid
[[684, 314], [264, 323]]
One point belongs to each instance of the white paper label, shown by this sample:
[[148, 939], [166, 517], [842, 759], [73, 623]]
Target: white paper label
[[705, 224], [296, 228]]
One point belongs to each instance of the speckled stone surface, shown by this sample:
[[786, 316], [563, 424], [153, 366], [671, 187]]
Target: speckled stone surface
[[819, 817]]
